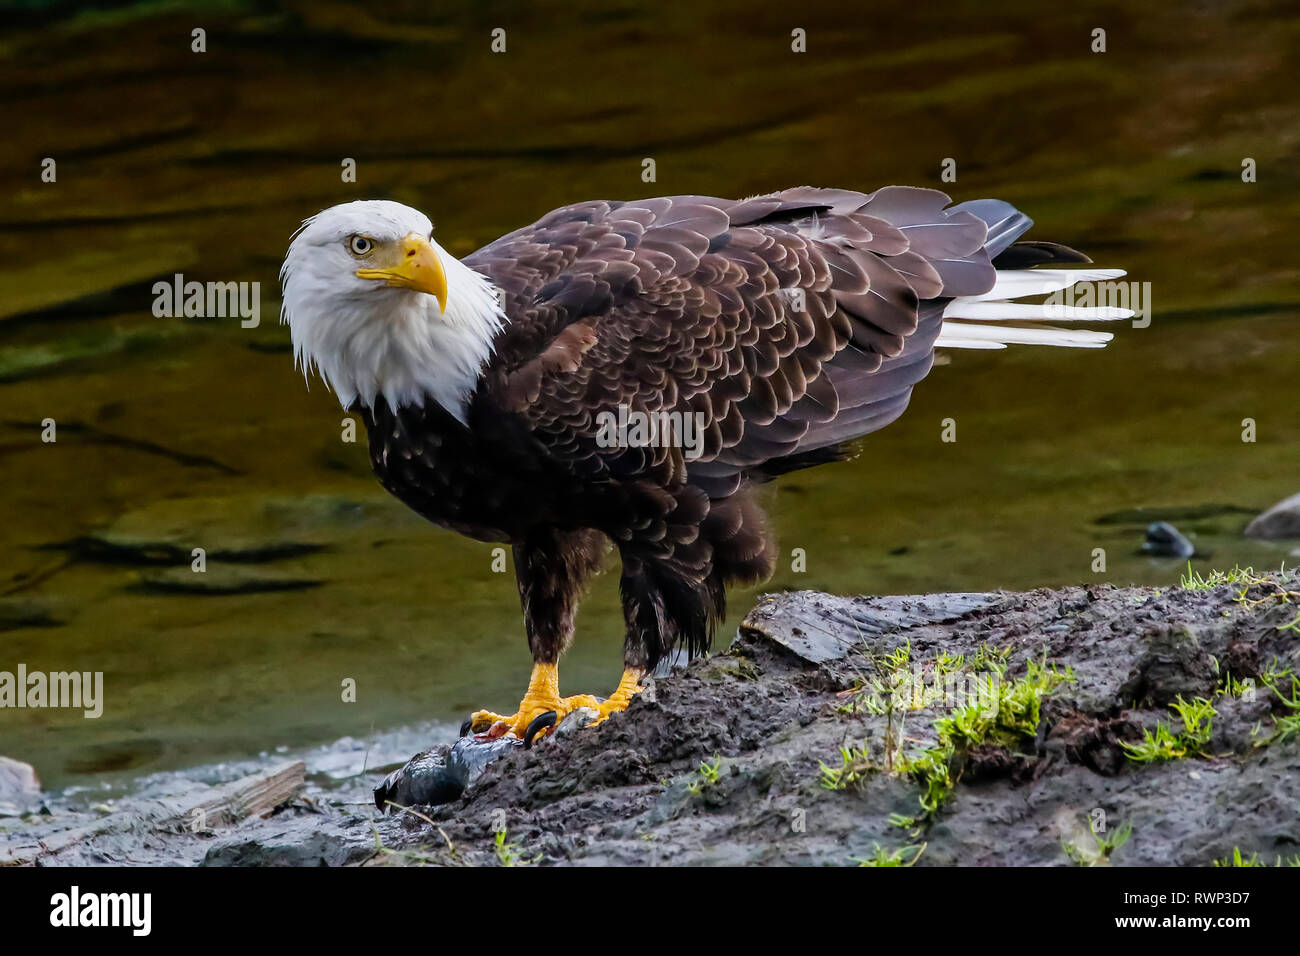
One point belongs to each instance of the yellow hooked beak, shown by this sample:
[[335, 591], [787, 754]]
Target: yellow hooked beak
[[417, 268]]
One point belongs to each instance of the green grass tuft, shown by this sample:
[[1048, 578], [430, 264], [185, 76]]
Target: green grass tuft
[[855, 766], [1237, 860], [508, 853], [710, 774], [1015, 715], [1106, 845], [1163, 744], [882, 857]]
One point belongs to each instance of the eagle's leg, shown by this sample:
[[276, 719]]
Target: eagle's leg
[[655, 622], [551, 568]]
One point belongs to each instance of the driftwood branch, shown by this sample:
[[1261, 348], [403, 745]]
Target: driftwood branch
[[252, 796]]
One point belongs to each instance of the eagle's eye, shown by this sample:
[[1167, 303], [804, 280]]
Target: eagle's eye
[[360, 245]]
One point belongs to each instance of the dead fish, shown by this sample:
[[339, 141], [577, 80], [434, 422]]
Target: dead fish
[[441, 774]]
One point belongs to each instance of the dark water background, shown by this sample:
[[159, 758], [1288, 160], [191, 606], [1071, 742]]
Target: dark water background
[[200, 433]]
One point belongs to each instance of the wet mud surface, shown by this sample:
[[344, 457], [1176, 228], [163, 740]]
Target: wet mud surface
[[726, 761]]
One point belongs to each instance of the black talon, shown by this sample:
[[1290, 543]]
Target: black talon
[[539, 723], [467, 726]]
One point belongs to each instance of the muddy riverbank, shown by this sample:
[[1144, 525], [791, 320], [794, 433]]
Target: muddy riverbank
[[1094, 725]]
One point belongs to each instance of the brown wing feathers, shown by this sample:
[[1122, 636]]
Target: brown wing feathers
[[690, 303]]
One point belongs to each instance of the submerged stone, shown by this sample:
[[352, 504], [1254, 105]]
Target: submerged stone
[[1165, 541], [1280, 521]]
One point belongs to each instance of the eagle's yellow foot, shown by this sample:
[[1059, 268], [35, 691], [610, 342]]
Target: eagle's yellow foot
[[543, 708], [541, 698], [629, 685]]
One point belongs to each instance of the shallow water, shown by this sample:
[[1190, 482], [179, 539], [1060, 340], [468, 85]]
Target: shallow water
[[200, 432]]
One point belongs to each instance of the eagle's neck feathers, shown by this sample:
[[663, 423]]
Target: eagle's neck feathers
[[396, 343]]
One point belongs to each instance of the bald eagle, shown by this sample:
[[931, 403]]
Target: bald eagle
[[782, 326]]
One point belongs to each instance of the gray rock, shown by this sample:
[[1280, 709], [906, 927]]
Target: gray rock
[[821, 627], [1165, 541], [291, 845], [20, 789], [1280, 521]]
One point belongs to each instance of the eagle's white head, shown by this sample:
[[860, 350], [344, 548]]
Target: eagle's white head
[[380, 309]]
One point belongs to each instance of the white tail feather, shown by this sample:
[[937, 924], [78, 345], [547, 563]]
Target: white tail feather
[[1033, 311], [1018, 283], [953, 342], [1010, 335]]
